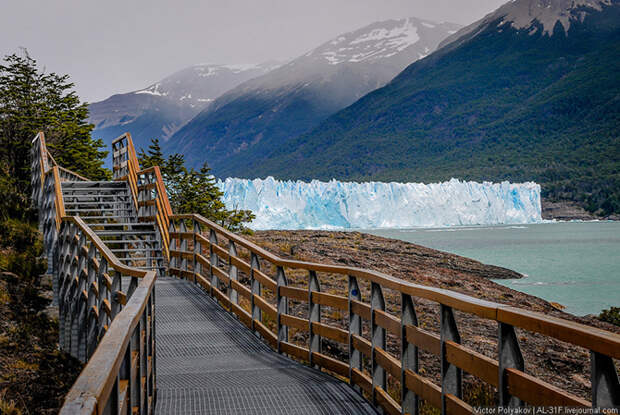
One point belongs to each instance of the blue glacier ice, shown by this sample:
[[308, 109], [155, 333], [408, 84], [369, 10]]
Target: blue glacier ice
[[348, 205]]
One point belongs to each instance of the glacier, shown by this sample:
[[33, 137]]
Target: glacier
[[370, 205]]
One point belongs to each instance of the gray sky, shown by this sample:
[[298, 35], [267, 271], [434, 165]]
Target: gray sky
[[113, 46]]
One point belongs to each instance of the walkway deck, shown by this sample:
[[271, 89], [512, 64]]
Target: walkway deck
[[210, 363]]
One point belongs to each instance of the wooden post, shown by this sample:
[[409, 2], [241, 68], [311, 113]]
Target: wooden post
[[213, 259], [409, 356], [282, 307], [605, 384], [509, 357], [233, 273], [377, 302], [314, 315], [451, 376], [355, 328], [256, 289], [197, 266]]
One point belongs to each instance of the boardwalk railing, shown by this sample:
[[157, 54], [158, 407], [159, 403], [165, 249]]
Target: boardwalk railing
[[147, 187], [111, 329], [297, 307], [252, 283]]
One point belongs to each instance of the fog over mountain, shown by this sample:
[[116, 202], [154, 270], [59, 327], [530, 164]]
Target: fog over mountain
[[163, 107], [262, 114]]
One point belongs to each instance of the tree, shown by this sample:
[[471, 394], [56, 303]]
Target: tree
[[193, 191], [32, 101]]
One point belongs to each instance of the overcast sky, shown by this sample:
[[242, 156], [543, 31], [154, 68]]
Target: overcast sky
[[113, 46]]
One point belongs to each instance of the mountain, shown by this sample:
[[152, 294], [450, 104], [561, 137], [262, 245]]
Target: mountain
[[160, 109], [260, 115], [529, 93]]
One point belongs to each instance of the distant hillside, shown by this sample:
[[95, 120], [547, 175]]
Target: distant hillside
[[247, 123], [162, 108], [527, 93]]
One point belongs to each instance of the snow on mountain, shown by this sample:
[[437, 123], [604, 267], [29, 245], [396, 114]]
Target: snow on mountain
[[200, 84], [533, 15], [260, 115], [159, 110], [344, 205]]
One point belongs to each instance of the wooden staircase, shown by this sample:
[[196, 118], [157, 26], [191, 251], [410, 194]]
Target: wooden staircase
[[108, 208]]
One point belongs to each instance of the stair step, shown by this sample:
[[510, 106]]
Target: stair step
[[122, 232], [95, 189], [95, 184], [104, 224], [98, 210], [158, 258], [129, 241], [133, 249], [96, 202]]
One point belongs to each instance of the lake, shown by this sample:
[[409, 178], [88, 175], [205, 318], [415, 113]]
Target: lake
[[576, 264]]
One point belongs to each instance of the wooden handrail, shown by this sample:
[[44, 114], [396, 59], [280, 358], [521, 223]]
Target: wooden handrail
[[578, 334], [91, 393], [506, 373]]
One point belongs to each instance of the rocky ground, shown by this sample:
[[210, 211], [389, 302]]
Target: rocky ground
[[566, 210], [561, 364]]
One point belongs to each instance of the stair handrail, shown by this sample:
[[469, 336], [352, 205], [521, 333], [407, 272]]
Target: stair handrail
[[120, 355], [147, 187], [507, 373], [94, 325]]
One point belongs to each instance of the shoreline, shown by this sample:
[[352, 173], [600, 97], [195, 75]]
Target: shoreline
[[545, 358]]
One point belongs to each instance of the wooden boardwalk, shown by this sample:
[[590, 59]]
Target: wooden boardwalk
[[210, 363]]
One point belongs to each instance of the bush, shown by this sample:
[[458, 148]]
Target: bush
[[611, 315]]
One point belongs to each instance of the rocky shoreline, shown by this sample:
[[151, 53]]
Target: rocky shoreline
[[558, 363]]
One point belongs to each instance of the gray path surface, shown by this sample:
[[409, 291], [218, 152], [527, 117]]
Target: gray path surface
[[210, 363]]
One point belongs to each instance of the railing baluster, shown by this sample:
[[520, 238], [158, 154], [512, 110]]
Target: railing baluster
[[282, 306], [509, 357], [409, 356], [451, 375], [183, 248], [213, 259], [196, 266], [314, 315], [256, 289], [377, 302], [605, 384], [233, 273], [93, 307], [355, 327], [174, 261]]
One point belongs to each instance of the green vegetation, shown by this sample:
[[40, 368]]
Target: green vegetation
[[611, 315], [193, 191], [32, 101], [503, 105]]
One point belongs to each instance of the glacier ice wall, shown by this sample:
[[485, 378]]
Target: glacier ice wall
[[345, 205]]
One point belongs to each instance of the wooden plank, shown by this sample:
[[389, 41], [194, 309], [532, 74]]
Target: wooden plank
[[271, 338], [361, 380], [182, 235], [457, 406], [221, 275], [423, 387], [240, 264], [265, 280], [334, 333], [301, 353], [388, 322], [361, 309], [473, 362], [539, 393], [294, 293], [425, 340], [221, 252], [388, 362], [267, 308], [362, 345], [331, 300], [330, 363], [387, 402], [221, 296], [292, 321], [591, 338], [243, 315], [241, 289]]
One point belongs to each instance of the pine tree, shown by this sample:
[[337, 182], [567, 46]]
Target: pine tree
[[32, 101], [193, 191]]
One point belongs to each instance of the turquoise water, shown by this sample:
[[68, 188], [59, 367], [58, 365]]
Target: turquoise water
[[576, 264]]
